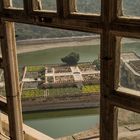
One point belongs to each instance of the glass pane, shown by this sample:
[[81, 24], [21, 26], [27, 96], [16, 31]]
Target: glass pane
[[60, 70], [49, 5], [130, 64], [89, 6], [18, 3], [128, 125], [131, 7], [2, 83]]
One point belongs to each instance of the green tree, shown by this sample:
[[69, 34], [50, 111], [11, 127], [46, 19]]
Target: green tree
[[71, 59], [97, 63]]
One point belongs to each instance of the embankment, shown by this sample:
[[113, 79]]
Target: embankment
[[61, 102], [32, 45]]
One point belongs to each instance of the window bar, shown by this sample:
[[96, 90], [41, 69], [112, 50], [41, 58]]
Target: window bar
[[108, 111], [37, 5], [108, 121], [69, 7], [7, 3], [119, 11], [60, 8], [73, 5], [1, 130], [27, 6], [8, 46]]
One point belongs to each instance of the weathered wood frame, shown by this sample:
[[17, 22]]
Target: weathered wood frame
[[111, 25]]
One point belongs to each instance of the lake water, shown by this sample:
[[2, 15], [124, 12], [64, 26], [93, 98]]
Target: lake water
[[61, 125], [54, 55]]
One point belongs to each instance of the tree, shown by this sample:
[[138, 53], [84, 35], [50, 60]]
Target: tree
[[97, 63], [71, 59]]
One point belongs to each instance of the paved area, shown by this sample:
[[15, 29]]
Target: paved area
[[93, 134], [75, 72]]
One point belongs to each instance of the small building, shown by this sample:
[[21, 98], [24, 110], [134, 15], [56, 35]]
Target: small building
[[130, 70]]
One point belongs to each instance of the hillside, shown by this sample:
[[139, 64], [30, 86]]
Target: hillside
[[88, 6]]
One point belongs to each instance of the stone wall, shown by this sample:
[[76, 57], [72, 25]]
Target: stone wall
[[62, 102]]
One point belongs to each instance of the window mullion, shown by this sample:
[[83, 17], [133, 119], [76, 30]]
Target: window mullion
[[11, 79]]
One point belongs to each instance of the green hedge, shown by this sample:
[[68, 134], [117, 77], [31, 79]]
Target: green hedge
[[91, 89], [32, 93], [35, 68], [63, 91]]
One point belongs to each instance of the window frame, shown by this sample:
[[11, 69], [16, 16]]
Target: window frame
[[109, 25]]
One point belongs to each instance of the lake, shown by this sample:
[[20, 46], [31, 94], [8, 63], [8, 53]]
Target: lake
[[63, 123]]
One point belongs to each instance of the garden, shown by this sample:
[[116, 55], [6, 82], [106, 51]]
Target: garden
[[53, 92], [60, 82]]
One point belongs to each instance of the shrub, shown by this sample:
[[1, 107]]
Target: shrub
[[71, 59]]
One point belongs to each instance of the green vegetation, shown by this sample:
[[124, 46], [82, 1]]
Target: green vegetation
[[97, 63], [91, 89], [52, 92], [74, 90], [32, 93], [63, 91], [35, 68], [71, 59]]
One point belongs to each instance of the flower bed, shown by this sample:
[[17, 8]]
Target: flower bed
[[91, 89], [88, 77], [30, 85], [31, 75], [50, 79], [62, 69], [62, 79], [32, 93], [86, 67], [35, 68]]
